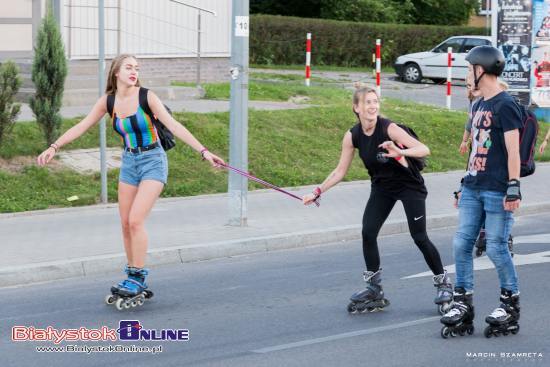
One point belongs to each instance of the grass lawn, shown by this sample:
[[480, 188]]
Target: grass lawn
[[287, 148]]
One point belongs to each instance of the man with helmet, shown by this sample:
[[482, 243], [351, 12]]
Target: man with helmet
[[491, 187]]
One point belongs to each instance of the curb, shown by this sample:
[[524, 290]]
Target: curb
[[94, 265]]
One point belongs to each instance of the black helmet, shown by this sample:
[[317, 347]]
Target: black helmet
[[491, 58]]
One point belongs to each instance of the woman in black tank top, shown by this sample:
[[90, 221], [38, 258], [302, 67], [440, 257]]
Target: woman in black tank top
[[388, 153]]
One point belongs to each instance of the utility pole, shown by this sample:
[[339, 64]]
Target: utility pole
[[101, 71], [238, 116]]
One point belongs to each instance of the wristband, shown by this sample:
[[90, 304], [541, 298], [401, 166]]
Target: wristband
[[513, 192], [203, 150], [317, 192], [54, 146]]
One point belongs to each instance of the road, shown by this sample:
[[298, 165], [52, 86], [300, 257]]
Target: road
[[288, 308]]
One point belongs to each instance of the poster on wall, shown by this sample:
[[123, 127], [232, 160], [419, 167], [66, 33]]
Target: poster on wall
[[513, 38], [540, 85]]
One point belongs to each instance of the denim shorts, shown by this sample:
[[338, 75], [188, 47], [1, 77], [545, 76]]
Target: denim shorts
[[148, 165]]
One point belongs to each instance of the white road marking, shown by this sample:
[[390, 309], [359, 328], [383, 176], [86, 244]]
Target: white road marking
[[352, 334]]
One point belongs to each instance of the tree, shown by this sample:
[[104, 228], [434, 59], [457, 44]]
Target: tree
[[49, 71], [9, 86], [296, 8], [389, 11], [444, 12]]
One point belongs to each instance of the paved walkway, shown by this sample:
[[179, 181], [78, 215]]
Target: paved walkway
[[60, 243]]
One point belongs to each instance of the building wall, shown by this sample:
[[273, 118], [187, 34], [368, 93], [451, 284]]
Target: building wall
[[147, 28], [19, 21]]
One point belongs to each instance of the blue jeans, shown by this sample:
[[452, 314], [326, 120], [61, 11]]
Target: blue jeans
[[498, 225], [149, 165]]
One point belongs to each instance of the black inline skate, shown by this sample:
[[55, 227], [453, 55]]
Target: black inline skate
[[460, 318], [370, 299], [504, 319], [481, 244], [444, 298], [132, 292]]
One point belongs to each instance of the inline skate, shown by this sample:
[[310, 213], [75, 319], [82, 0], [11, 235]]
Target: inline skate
[[132, 292], [444, 298], [481, 244], [370, 299], [504, 319], [459, 320]]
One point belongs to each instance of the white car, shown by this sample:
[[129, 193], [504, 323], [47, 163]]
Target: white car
[[412, 68]]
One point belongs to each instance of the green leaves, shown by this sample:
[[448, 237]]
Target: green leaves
[[49, 71], [9, 86]]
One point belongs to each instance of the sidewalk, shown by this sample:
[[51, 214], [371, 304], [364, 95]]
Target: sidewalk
[[60, 243], [192, 105]]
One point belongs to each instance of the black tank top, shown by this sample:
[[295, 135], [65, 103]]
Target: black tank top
[[391, 177]]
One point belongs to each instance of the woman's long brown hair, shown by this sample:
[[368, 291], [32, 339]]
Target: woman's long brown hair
[[115, 67]]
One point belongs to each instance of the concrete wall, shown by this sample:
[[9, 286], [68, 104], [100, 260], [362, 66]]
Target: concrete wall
[[146, 28], [19, 22]]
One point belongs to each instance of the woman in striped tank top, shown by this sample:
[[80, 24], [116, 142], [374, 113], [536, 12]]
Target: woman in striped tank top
[[144, 169]]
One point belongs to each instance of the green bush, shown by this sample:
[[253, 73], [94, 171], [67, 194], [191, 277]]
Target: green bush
[[9, 86], [281, 40], [49, 70]]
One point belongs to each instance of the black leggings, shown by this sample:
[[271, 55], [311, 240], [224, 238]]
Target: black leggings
[[377, 211]]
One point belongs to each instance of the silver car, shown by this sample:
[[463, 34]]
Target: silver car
[[412, 68]]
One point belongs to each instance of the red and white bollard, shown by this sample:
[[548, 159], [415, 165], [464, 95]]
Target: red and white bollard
[[449, 75], [378, 66], [308, 58]]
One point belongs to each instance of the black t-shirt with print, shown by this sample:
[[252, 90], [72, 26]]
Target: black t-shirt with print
[[488, 162]]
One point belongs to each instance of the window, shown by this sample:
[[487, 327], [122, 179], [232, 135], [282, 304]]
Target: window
[[473, 42], [455, 43]]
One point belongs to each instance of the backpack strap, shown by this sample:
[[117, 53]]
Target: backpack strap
[[385, 125], [143, 102], [110, 104]]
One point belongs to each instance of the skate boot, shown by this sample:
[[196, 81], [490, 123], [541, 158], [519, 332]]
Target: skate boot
[[504, 319], [459, 319], [481, 243], [444, 298], [372, 298], [131, 292]]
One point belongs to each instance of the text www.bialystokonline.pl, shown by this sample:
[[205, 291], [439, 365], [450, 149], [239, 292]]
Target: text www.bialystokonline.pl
[[88, 349]]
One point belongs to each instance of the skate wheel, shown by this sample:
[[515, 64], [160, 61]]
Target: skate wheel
[[488, 332], [352, 308], [461, 332], [470, 330], [453, 334], [148, 294], [141, 301], [120, 304], [515, 331], [110, 299], [134, 303], [127, 304], [445, 332]]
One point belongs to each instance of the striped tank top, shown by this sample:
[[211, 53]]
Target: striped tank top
[[136, 130]]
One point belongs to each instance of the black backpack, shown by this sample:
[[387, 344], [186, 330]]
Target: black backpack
[[528, 133], [417, 163], [165, 136]]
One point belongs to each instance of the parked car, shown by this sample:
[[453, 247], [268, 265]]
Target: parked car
[[412, 68]]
